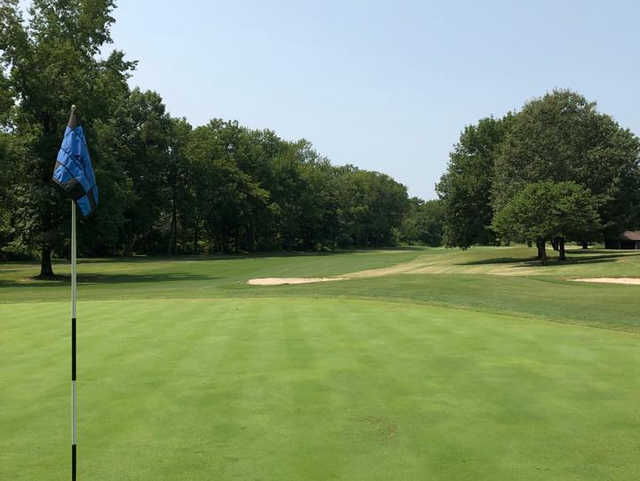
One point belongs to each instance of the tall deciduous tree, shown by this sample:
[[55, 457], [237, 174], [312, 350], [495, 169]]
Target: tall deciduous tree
[[49, 63], [227, 200], [465, 189], [372, 206], [543, 211], [177, 179], [424, 222], [561, 137], [145, 127]]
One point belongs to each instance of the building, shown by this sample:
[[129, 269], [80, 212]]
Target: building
[[627, 240]]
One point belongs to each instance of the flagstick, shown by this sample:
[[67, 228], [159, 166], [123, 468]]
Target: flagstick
[[74, 298]]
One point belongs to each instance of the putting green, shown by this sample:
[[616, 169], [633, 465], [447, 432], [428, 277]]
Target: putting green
[[308, 388]]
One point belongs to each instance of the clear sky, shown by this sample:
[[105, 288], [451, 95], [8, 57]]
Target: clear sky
[[386, 86]]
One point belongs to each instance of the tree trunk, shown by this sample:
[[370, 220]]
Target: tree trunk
[[563, 255], [542, 251], [585, 245], [251, 234], [195, 237], [173, 231], [128, 250], [554, 243], [46, 268]]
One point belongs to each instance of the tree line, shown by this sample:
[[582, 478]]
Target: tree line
[[556, 171], [165, 186]]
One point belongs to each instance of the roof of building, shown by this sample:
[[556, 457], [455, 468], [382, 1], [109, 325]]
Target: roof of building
[[631, 235]]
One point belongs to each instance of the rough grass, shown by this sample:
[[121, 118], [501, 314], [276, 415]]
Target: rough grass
[[187, 373]]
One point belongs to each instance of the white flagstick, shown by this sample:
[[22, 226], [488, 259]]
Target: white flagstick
[[74, 298]]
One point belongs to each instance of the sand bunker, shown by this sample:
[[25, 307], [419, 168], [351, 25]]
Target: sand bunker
[[280, 281], [612, 280]]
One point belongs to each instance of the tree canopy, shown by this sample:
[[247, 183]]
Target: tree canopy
[[166, 187], [548, 210], [561, 137], [47, 64], [465, 188], [424, 222], [554, 141], [557, 170]]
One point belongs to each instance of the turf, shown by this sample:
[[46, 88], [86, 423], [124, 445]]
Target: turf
[[186, 373]]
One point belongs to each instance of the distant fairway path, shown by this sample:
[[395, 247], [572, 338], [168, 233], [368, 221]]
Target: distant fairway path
[[444, 370], [474, 261]]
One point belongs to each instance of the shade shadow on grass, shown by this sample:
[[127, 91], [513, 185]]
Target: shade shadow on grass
[[497, 260], [618, 252], [216, 257], [533, 261], [106, 279]]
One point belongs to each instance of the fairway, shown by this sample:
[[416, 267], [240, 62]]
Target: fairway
[[476, 365]]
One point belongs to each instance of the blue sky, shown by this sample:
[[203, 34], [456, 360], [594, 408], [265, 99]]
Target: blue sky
[[386, 86]]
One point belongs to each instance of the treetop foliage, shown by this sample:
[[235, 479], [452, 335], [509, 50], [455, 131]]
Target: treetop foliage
[[549, 210], [466, 186]]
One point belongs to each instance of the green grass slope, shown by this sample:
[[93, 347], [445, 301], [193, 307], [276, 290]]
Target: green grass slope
[[187, 373]]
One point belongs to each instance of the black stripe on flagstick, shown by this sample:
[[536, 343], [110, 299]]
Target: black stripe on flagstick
[[73, 348], [73, 462]]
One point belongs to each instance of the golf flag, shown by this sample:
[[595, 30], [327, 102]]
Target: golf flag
[[73, 171]]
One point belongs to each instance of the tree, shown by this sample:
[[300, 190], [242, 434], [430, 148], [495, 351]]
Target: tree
[[465, 189], [177, 178], [562, 138], [145, 126], [371, 207], [315, 201], [227, 201], [424, 222], [165, 188], [50, 63], [547, 210], [9, 157], [106, 232]]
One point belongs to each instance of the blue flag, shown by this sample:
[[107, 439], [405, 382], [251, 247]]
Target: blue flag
[[73, 171]]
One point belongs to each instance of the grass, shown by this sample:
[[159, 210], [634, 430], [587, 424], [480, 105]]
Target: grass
[[481, 366]]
